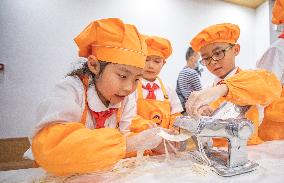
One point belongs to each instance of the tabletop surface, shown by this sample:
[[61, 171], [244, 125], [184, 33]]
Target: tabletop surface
[[269, 155]]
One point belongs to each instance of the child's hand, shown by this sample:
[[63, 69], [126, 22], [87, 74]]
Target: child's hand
[[205, 110], [147, 139], [152, 125], [172, 131], [198, 99], [172, 147]]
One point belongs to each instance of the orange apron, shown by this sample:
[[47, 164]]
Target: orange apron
[[155, 110], [272, 127]]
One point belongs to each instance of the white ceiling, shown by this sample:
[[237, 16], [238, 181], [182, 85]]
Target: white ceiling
[[248, 3]]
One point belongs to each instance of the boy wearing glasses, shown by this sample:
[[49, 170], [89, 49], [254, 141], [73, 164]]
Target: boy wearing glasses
[[157, 104], [257, 89]]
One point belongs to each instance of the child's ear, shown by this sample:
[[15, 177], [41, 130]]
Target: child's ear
[[237, 49], [93, 64]]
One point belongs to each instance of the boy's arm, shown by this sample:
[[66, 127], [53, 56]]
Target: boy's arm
[[257, 87], [253, 87]]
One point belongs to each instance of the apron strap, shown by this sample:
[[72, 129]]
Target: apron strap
[[85, 81], [163, 89], [139, 90]]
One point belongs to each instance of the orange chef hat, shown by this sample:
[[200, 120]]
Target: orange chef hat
[[158, 46], [226, 32], [278, 12], [113, 41]]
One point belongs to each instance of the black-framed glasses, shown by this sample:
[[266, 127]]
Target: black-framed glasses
[[216, 56]]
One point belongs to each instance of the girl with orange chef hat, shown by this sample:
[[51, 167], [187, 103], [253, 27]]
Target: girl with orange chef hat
[[84, 125]]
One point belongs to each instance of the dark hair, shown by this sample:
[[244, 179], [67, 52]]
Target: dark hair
[[84, 70], [189, 53]]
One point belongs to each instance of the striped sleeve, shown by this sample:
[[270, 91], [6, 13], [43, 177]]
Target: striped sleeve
[[188, 81]]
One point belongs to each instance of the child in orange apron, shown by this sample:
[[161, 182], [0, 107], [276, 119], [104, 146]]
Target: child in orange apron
[[157, 104], [83, 125], [272, 127], [256, 88]]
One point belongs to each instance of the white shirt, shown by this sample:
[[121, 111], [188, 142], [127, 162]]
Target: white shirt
[[173, 98], [67, 103], [273, 59]]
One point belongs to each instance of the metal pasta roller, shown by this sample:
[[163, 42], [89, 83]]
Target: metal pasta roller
[[236, 131]]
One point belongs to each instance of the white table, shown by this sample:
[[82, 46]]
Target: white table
[[269, 155]]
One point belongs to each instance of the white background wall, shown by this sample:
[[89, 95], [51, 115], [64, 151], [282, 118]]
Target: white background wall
[[37, 45], [262, 29]]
